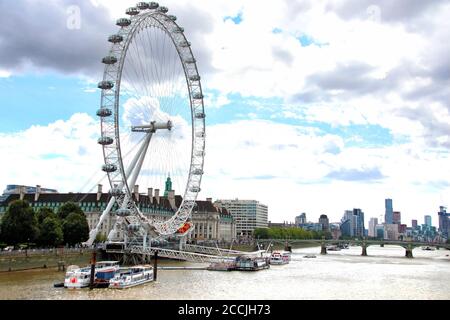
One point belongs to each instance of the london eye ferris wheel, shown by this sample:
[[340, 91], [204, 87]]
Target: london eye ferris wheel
[[152, 120]]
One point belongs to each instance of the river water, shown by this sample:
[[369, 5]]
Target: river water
[[345, 274]]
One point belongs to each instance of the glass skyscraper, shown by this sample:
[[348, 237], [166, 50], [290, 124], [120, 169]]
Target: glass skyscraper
[[388, 217]]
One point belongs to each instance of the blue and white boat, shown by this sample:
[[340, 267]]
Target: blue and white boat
[[131, 276]]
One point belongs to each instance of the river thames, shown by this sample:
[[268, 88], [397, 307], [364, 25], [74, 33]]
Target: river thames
[[340, 275]]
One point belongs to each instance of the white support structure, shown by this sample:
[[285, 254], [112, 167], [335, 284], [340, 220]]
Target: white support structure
[[112, 201], [181, 255]]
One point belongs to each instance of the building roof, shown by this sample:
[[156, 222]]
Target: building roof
[[144, 200]]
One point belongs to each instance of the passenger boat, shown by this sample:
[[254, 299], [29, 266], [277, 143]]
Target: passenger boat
[[278, 258], [222, 266], [77, 278], [428, 248], [132, 276], [244, 263], [333, 248]]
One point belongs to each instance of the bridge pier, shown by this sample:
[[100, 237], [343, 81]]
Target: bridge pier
[[382, 245], [323, 249], [364, 250], [409, 253]]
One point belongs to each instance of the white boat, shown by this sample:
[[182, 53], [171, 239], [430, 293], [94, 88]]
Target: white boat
[[428, 248], [132, 276], [278, 258], [77, 278]]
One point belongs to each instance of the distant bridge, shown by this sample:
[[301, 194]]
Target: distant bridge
[[364, 243]]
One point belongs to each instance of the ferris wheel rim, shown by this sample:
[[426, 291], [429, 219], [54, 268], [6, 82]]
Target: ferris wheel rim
[[194, 88]]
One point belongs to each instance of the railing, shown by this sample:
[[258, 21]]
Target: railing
[[217, 251], [37, 252]]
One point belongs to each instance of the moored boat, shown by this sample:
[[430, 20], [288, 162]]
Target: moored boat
[[278, 258], [131, 276], [244, 263], [77, 278]]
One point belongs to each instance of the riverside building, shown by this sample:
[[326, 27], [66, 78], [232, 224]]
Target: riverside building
[[248, 215], [210, 222]]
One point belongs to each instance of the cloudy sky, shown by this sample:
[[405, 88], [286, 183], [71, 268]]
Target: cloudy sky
[[313, 106]]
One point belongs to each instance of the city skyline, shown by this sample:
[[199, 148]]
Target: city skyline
[[316, 108]]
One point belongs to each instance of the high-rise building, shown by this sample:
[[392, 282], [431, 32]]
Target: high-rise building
[[388, 217], [397, 217], [379, 228], [428, 221], [372, 227], [353, 223], [414, 224], [323, 220], [248, 214], [359, 214], [391, 231], [301, 219], [444, 222]]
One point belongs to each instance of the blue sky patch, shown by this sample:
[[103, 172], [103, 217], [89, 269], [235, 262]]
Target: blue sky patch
[[237, 19], [39, 100]]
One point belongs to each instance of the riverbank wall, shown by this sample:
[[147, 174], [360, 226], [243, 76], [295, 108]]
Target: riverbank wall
[[42, 259]]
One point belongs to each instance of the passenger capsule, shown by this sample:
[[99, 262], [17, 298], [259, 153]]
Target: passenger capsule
[[109, 168], [194, 78], [198, 96], [153, 5], [105, 141], [162, 9], [115, 38], [195, 189], [197, 172], [200, 135], [123, 212], [185, 44], [104, 112], [132, 11], [178, 30], [200, 154], [123, 22], [106, 85], [190, 60], [200, 115], [171, 17], [142, 5], [116, 192], [109, 60]]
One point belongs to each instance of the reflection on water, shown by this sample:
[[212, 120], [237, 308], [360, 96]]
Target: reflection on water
[[385, 274]]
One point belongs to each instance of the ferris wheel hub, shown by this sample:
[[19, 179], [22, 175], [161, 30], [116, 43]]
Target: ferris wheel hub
[[153, 127]]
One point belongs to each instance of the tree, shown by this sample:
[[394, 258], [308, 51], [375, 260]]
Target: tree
[[43, 214], [100, 238], [51, 233], [75, 229], [19, 224], [261, 233], [69, 208]]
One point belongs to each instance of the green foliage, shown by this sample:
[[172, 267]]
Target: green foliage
[[19, 224], [43, 214], [68, 208], [100, 238], [288, 233], [51, 233], [75, 229]]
